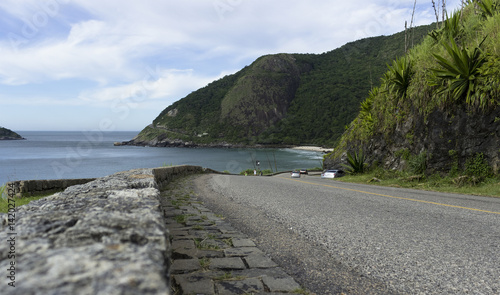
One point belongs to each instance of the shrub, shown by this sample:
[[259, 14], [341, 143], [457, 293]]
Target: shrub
[[356, 163], [454, 166], [458, 73], [478, 166], [2, 189], [418, 163]]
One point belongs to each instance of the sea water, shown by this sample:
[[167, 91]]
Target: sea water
[[64, 154]]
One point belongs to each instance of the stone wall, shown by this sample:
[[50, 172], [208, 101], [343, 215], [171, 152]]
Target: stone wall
[[28, 188], [107, 236]]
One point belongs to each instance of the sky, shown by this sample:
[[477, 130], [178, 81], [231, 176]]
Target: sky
[[114, 65]]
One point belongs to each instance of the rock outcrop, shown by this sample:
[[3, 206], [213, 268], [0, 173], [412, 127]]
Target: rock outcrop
[[448, 137], [7, 134]]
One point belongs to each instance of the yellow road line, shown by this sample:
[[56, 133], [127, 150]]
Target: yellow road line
[[394, 197]]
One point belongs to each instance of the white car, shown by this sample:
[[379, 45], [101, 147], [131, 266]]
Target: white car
[[295, 174], [332, 173]]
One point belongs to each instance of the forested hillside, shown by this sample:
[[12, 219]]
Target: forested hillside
[[438, 107], [280, 99]]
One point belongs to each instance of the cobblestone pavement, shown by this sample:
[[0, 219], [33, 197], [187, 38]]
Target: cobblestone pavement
[[210, 257]]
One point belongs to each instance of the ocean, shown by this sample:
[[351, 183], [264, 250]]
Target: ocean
[[65, 154]]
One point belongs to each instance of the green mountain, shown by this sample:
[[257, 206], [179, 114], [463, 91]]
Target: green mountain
[[437, 109], [281, 99], [7, 134]]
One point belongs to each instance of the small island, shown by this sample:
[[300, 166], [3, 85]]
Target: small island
[[7, 134]]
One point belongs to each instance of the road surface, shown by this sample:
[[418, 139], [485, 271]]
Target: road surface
[[336, 237]]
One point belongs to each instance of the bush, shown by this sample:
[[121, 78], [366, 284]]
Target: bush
[[418, 164], [478, 166], [356, 163]]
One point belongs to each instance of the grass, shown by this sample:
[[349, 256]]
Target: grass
[[4, 203], [202, 245], [204, 263], [488, 187]]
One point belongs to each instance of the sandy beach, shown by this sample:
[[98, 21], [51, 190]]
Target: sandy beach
[[313, 149]]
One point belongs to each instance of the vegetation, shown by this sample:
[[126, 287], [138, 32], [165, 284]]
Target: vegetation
[[356, 163], [458, 76], [7, 133], [283, 99], [4, 203], [442, 183], [456, 68], [249, 172]]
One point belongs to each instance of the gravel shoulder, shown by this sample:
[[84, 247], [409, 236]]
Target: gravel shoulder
[[309, 264]]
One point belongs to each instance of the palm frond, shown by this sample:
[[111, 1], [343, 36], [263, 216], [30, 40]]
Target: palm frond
[[459, 72]]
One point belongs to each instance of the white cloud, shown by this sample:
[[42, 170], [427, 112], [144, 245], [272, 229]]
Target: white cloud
[[115, 42], [111, 45], [168, 85]]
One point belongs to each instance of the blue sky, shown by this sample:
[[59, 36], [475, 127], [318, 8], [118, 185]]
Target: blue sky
[[116, 64]]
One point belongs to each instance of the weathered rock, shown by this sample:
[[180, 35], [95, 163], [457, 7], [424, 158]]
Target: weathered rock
[[448, 137], [103, 237]]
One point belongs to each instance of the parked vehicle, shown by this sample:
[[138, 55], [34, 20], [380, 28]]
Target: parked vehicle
[[303, 171], [295, 174], [332, 173]]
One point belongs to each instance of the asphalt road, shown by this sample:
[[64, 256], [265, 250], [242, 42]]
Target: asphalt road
[[336, 237]]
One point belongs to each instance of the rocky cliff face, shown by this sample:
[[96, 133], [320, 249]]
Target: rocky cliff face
[[448, 137], [261, 98]]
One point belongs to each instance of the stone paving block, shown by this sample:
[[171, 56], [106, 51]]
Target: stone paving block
[[213, 244], [180, 266], [170, 221], [199, 222], [259, 272], [184, 249], [185, 254], [241, 252], [172, 213], [179, 232], [280, 285], [209, 254], [189, 210], [201, 208], [202, 234], [247, 286], [194, 218], [227, 263], [174, 225], [238, 242], [183, 244], [234, 236], [194, 284], [178, 238], [259, 261], [227, 229]]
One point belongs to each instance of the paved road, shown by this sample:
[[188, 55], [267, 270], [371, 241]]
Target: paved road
[[336, 237]]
